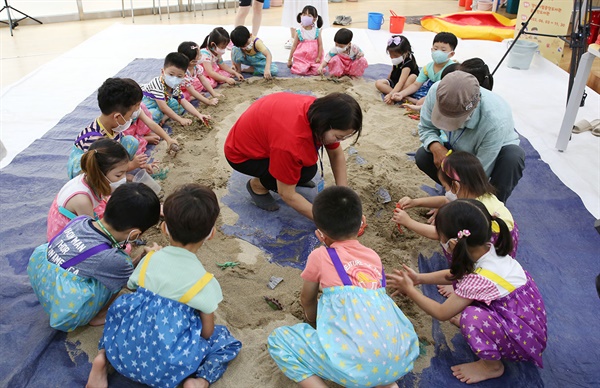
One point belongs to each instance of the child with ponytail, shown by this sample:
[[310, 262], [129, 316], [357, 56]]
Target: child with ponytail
[[496, 304], [104, 168]]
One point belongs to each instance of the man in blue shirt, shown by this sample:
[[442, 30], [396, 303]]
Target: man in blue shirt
[[460, 115]]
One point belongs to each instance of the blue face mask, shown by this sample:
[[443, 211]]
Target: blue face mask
[[173, 81], [439, 56]]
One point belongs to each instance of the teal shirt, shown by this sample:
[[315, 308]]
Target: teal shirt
[[428, 73], [490, 128], [172, 271]]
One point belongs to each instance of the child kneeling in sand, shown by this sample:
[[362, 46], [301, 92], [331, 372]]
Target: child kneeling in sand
[[496, 304], [171, 315], [361, 338]]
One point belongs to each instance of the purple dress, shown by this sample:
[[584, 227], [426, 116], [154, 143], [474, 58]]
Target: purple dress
[[512, 327]]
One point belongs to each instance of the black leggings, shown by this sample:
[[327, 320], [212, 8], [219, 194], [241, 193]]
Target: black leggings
[[247, 3], [260, 169]]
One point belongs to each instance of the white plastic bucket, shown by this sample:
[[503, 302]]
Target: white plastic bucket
[[143, 177], [485, 5], [521, 55]]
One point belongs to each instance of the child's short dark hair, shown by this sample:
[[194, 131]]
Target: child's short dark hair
[[132, 205], [312, 11], [219, 36], [239, 36], [446, 37], [481, 71], [398, 44], [191, 212], [118, 95], [189, 49], [471, 219], [343, 36], [337, 212], [177, 60], [103, 155], [465, 168], [335, 110]]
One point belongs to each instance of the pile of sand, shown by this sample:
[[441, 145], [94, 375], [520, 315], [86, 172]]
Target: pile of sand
[[378, 160]]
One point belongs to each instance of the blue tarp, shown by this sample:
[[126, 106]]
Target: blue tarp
[[558, 246]]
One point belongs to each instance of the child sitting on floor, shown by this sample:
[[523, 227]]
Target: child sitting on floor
[[77, 274], [404, 68], [118, 99], [211, 57], [362, 338], [250, 51], [104, 167], [195, 82], [163, 96], [146, 131], [444, 44], [171, 315], [496, 305], [345, 58], [307, 50]]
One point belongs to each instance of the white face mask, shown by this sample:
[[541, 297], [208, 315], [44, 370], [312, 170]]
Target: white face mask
[[340, 49], [173, 81], [249, 46], [221, 51], [450, 196], [122, 127], [136, 114], [114, 185], [397, 61]]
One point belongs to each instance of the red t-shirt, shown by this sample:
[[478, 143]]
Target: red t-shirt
[[276, 127]]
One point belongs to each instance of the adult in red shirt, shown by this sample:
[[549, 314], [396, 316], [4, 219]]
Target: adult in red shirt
[[277, 141]]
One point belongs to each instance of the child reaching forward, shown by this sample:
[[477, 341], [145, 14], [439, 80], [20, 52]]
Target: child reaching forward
[[146, 131], [163, 96], [444, 44], [462, 176], [344, 58], [404, 68], [307, 50], [78, 273], [171, 314], [250, 51], [211, 57], [104, 168], [195, 81], [496, 305], [361, 338]]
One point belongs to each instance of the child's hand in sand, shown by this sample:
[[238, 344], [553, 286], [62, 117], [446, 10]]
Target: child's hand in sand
[[151, 167], [138, 161], [432, 213], [152, 138], [416, 108], [185, 122], [321, 69], [401, 217], [238, 76], [267, 74], [400, 280], [230, 81], [218, 95], [213, 101], [204, 118], [397, 96], [406, 203]]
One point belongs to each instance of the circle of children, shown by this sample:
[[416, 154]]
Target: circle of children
[[164, 333]]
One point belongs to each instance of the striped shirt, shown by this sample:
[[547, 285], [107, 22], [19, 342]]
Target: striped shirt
[[92, 133], [156, 90], [477, 287]]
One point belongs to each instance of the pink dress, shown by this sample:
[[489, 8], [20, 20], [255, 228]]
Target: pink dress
[[305, 55], [193, 78], [139, 129], [207, 56], [57, 219], [350, 62]]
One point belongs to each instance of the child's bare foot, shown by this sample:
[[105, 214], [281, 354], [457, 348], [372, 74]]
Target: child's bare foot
[[99, 319], [392, 385], [446, 290], [477, 371], [248, 69], [455, 320], [195, 383], [99, 374]]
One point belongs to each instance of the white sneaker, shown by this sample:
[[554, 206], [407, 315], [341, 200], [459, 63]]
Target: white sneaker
[[288, 44]]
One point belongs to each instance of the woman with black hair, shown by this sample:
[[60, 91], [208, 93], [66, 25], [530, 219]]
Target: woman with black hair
[[279, 139]]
